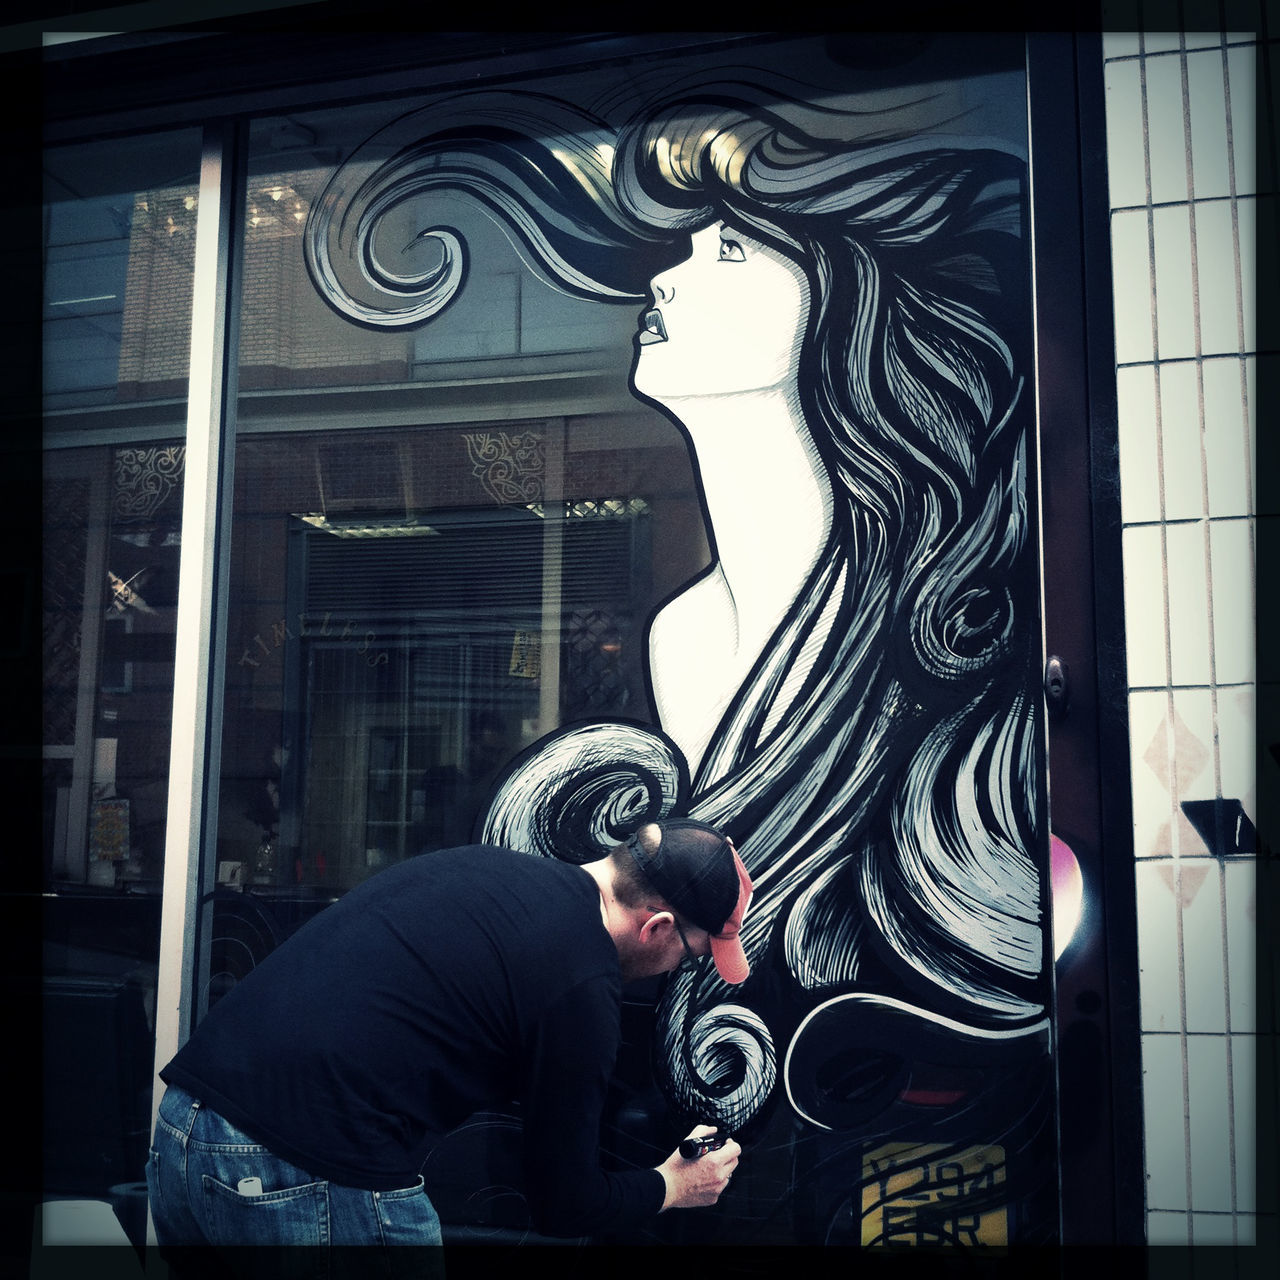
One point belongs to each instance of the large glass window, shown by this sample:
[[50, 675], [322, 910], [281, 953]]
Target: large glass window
[[460, 531], [119, 223]]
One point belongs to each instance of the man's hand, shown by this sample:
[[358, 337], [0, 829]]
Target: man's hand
[[693, 1184]]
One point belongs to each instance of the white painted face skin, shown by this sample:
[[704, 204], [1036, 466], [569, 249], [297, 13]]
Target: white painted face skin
[[727, 319]]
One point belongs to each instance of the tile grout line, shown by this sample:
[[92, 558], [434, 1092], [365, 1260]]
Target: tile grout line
[[1168, 653], [1172, 701], [1233, 191], [1172, 204], [1251, 506], [1186, 520], [1156, 54], [1246, 408], [1212, 631], [1189, 686], [1212, 357]]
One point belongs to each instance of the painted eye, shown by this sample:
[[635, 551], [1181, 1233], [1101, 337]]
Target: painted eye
[[731, 251]]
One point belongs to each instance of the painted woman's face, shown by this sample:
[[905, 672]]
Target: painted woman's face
[[728, 318]]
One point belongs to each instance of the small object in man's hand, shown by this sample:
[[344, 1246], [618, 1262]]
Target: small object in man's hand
[[692, 1148]]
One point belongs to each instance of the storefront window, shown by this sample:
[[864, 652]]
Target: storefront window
[[119, 223], [595, 411]]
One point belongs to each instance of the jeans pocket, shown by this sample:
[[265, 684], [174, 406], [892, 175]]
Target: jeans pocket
[[407, 1216], [171, 1214], [154, 1192], [291, 1216]]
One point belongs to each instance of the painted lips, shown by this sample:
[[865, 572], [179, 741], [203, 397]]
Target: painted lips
[[651, 328]]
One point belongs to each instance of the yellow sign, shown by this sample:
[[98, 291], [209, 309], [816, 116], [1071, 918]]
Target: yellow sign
[[109, 830], [526, 655], [917, 1194]]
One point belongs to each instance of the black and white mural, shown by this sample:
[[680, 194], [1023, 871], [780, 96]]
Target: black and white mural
[[831, 285]]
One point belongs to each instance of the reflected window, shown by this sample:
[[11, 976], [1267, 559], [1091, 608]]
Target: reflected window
[[119, 228], [446, 541], [386, 664], [119, 242]]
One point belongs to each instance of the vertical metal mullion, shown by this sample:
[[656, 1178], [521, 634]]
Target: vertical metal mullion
[[553, 535], [75, 857], [200, 657], [1097, 1043]]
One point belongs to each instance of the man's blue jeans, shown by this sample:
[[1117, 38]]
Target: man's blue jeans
[[201, 1176]]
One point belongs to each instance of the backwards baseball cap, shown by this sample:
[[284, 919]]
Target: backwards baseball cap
[[699, 873]]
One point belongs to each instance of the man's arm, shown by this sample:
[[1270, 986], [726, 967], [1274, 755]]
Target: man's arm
[[569, 1058]]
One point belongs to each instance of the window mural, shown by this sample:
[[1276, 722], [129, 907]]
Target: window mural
[[830, 273]]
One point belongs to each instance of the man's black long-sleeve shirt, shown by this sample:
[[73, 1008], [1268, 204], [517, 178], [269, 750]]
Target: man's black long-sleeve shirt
[[457, 981]]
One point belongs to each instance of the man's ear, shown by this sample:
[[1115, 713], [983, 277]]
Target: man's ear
[[654, 926]]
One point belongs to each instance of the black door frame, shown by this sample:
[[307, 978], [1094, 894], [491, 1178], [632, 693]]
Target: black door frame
[[1097, 1017]]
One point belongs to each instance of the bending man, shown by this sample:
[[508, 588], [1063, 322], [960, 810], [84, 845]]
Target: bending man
[[304, 1105]]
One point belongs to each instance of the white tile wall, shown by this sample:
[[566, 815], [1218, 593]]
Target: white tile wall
[[1202, 949], [1190, 654], [1131, 273], [1180, 139], [1175, 291], [1218, 295], [1167, 1228], [1211, 162], [1180, 440], [1247, 210], [1146, 629], [1213, 1228], [1150, 770], [1166, 153], [1162, 1094], [1244, 1085], [1208, 1098], [1120, 44], [1241, 80], [1228, 446], [1241, 912], [1159, 976], [1139, 445], [1231, 563], [1125, 151], [1193, 763]]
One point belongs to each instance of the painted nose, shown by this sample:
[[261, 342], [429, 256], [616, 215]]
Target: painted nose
[[662, 291]]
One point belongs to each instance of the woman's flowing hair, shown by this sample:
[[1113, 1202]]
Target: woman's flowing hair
[[877, 769]]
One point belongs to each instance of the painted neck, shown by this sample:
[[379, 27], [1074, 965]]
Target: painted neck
[[768, 495], [770, 509]]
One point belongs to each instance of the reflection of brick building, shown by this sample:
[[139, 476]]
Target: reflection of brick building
[[155, 346], [287, 336]]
